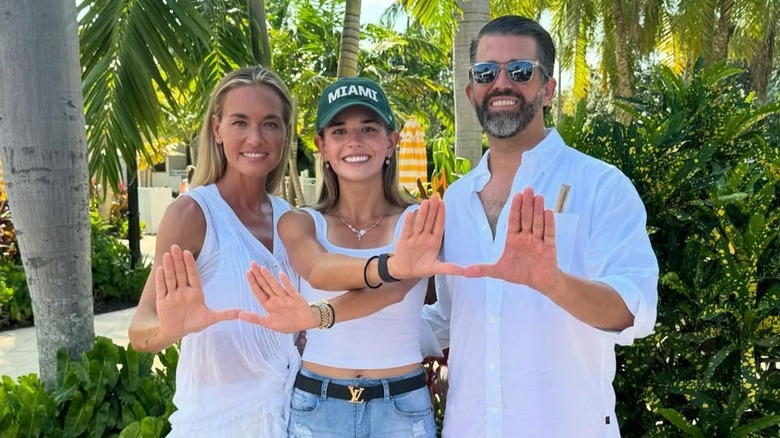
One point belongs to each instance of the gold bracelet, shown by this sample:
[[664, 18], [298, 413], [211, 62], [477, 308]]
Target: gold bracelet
[[331, 314], [326, 314]]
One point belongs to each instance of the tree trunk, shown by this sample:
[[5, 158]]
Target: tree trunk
[[44, 152], [761, 67], [720, 46], [625, 88], [133, 213], [350, 40], [261, 47], [468, 132]]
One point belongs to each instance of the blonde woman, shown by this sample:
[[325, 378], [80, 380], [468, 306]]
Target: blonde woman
[[233, 378]]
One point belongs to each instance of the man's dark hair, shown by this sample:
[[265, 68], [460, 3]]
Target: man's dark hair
[[520, 26]]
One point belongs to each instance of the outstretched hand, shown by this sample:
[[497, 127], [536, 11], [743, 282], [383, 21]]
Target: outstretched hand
[[288, 311], [417, 250], [181, 305], [530, 255]]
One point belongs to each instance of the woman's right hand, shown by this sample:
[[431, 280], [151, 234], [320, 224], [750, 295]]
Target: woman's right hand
[[181, 305], [288, 311], [417, 250]]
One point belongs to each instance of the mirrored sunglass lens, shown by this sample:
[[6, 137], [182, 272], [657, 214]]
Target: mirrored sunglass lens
[[484, 73], [520, 71]]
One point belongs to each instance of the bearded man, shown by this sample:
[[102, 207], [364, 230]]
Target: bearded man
[[559, 267]]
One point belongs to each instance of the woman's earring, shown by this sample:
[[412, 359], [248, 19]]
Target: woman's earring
[[327, 165], [387, 161]]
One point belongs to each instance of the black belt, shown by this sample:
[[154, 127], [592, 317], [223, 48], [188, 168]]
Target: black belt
[[358, 394]]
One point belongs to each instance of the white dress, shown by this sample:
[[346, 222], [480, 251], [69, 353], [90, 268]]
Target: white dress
[[234, 378]]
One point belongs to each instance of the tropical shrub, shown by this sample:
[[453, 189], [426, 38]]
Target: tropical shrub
[[108, 391], [113, 279], [8, 248], [702, 156], [114, 282], [448, 167], [17, 307]]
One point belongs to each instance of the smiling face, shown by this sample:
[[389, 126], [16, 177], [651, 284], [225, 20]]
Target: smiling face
[[505, 108], [251, 130], [356, 143]]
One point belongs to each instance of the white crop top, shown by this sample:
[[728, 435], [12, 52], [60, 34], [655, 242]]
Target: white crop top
[[386, 339]]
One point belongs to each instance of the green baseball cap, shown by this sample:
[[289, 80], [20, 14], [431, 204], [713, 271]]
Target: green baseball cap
[[347, 92]]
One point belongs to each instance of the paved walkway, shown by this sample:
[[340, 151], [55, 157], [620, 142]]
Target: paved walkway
[[19, 348]]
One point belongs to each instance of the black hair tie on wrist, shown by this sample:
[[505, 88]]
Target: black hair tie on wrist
[[384, 273], [365, 273]]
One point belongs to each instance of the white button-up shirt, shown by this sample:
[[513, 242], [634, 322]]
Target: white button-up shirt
[[519, 365]]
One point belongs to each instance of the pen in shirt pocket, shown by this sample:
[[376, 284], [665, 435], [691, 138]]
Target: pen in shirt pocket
[[563, 198]]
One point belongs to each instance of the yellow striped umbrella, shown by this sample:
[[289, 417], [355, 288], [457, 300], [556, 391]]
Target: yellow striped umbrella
[[412, 159]]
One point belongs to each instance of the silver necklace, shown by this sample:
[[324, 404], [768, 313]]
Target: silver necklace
[[361, 232]]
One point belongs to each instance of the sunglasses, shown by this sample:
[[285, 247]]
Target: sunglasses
[[520, 70]]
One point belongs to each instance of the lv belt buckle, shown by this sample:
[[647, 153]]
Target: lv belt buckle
[[356, 393]]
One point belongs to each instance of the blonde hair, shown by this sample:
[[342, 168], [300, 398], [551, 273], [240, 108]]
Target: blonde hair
[[330, 184], [211, 156]]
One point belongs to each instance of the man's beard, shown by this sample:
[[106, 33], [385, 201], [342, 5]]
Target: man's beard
[[505, 124]]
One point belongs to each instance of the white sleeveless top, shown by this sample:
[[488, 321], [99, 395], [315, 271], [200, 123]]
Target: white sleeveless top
[[234, 378], [386, 339]]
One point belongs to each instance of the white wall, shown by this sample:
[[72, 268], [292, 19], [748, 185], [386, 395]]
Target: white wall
[[152, 202]]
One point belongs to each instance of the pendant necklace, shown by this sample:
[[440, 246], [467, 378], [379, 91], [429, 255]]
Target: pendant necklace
[[361, 232]]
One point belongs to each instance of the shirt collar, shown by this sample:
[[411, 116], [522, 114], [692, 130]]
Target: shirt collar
[[537, 160]]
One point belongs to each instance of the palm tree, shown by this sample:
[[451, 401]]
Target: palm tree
[[350, 40], [755, 39], [468, 131], [45, 157], [261, 46], [460, 19]]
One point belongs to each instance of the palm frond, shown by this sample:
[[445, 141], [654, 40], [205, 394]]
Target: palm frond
[[130, 51]]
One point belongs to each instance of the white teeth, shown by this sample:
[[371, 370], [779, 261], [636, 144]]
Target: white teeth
[[503, 103], [254, 154], [356, 159]]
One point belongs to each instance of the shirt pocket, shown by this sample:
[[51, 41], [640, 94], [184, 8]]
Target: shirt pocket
[[566, 238]]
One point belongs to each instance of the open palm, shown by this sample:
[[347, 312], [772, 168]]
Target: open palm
[[530, 255], [287, 310], [417, 249], [181, 305]]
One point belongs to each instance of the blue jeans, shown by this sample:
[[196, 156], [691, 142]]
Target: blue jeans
[[407, 415]]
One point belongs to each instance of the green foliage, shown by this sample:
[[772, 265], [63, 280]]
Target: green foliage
[[108, 391], [705, 162], [131, 53], [448, 167], [112, 277], [15, 302]]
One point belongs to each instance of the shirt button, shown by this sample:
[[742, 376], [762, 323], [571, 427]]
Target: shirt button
[[493, 410], [492, 366], [492, 320]]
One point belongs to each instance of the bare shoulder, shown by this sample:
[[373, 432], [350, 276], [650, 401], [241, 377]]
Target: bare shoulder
[[295, 221], [182, 224]]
